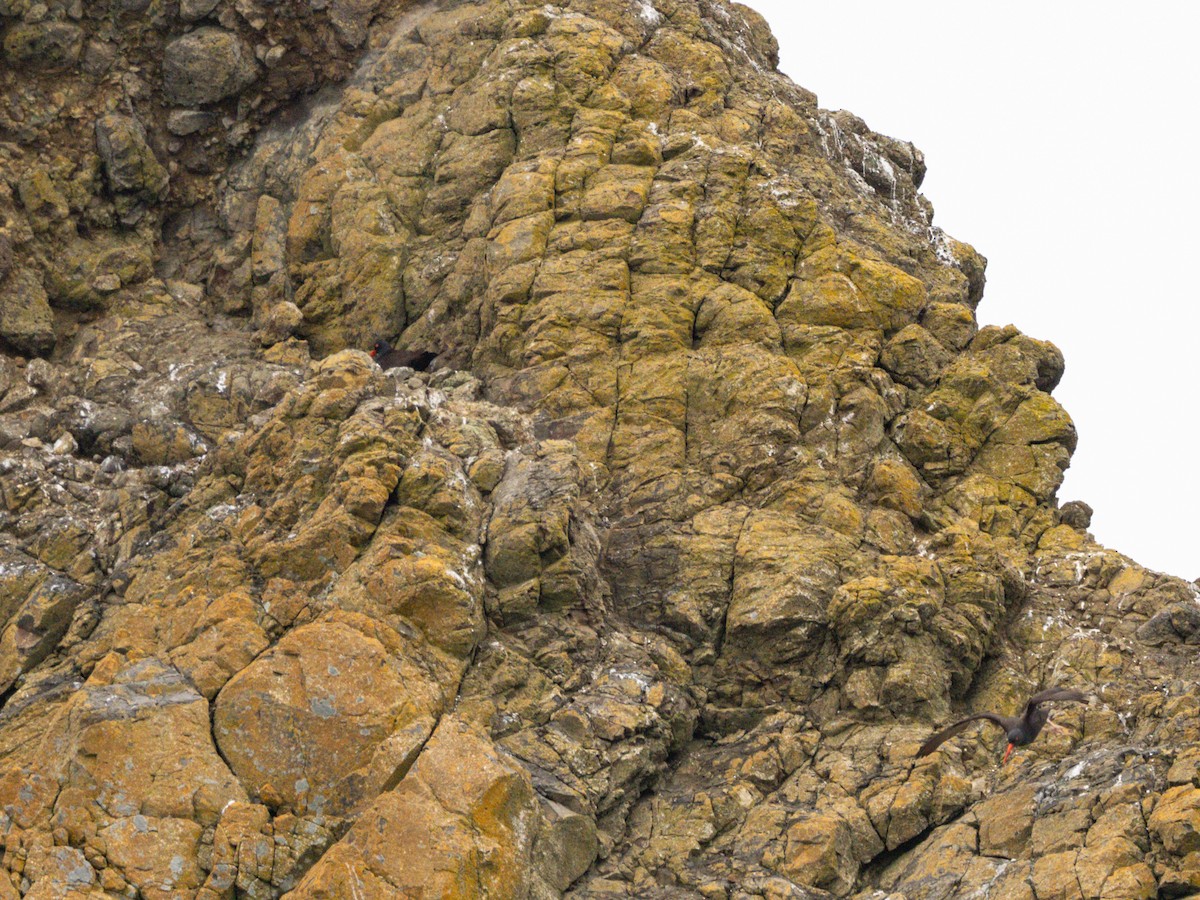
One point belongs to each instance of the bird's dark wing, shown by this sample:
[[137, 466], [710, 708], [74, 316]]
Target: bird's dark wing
[[412, 359], [946, 733], [1059, 694], [419, 359]]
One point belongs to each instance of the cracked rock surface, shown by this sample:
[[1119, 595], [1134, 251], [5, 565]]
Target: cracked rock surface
[[716, 502]]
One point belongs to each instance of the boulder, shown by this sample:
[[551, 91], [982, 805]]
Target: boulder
[[332, 716], [207, 65], [133, 172], [44, 45], [26, 320]]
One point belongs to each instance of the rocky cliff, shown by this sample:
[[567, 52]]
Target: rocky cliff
[[716, 502]]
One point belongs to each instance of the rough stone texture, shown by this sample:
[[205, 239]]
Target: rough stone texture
[[207, 65], [281, 720], [88, 153], [718, 501], [43, 45], [195, 10], [26, 320], [462, 825], [130, 166]]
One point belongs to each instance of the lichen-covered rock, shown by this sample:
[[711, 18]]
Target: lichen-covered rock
[[207, 65], [350, 19], [462, 825], [137, 778], [717, 502], [1176, 820], [26, 320], [195, 10], [46, 44], [280, 322], [328, 718], [130, 165], [89, 271]]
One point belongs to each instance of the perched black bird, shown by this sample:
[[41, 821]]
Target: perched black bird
[[1021, 730], [389, 357]]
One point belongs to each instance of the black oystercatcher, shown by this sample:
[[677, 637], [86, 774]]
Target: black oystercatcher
[[1021, 730], [389, 357]]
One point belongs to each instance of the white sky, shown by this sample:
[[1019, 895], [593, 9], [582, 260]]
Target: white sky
[[1060, 141]]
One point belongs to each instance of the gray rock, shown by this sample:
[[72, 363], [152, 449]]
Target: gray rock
[[96, 427], [280, 323], [207, 65], [195, 10], [44, 45], [1177, 624], [98, 58], [1077, 514], [183, 122], [16, 426], [41, 374], [351, 18]]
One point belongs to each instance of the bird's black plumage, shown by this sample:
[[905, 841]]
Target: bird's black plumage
[[1020, 730], [389, 357]]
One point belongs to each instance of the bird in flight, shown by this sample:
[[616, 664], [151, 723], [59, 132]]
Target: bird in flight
[[1020, 730]]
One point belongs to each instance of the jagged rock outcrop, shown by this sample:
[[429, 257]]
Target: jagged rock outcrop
[[717, 500]]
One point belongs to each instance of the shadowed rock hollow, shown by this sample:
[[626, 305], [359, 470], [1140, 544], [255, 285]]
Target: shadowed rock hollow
[[716, 503]]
